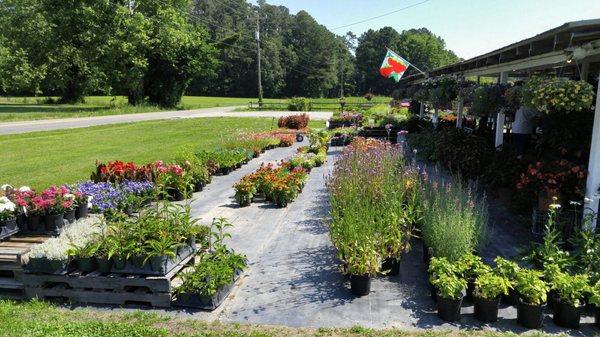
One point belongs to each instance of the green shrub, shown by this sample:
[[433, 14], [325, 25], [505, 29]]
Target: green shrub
[[531, 287], [300, 104], [489, 286], [570, 288]]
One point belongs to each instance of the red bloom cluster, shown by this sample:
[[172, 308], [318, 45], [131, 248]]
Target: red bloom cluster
[[118, 171], [161, 168], [559, 176]]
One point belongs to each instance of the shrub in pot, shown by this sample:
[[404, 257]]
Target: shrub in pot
[[362, 262], [439, 266], [245, 190], [471, 267], [508, 270], [488, 288], [450, 295], [570, 291], [595, 301], [532, 298]]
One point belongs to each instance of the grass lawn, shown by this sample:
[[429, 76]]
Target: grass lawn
[[38, 319], [41, 159], [30, 108]]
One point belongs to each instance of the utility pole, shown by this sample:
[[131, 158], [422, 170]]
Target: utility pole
[[257, 36], [342, 79]]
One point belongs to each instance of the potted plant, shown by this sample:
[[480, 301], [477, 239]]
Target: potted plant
[[471, 267], [488, 288], [8, 219], [570, 290], [362, 263], [84, 256], [595, 301], [532, 298], [508, 270], [450, 295], [440, 266], [56, 202], [70, 211], [245, 190], [82, 204]]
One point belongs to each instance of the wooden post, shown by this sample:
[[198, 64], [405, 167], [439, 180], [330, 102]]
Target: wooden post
[[592, 195], [459, 114], [422, 111]]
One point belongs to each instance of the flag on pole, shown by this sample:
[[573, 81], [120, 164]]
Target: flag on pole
[[393, 66]]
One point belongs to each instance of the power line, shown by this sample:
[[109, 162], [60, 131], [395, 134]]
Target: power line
[[380, 16]]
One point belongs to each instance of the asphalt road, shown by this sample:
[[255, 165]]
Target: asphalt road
[[70, 123]]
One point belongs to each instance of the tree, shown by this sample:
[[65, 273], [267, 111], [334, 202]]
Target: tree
[[419, 46]]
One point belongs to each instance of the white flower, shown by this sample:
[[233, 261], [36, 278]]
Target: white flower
[[555, 206], [6, 187], [6, 205], [575, 203], [24, 189], [69, 196]]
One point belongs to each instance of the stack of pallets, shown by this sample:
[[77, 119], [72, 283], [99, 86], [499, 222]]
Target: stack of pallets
[[12, 258]]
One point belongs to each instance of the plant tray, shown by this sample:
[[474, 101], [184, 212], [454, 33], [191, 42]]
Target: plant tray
[[5, 232], [165, 269], [192, 300], [45, 266]]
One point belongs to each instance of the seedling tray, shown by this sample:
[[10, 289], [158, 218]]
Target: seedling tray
[[147, 268]]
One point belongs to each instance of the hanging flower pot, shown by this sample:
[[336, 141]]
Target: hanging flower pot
[[360, 285]]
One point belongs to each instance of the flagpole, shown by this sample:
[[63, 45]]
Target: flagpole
[[421, 71]]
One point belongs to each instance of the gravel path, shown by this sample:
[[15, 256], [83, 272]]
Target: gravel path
[[70, 123]]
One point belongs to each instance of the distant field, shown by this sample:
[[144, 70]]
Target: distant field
[[32, 108], [41, 159]]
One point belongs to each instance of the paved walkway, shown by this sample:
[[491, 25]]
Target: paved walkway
[[293, 277], [70, 123]]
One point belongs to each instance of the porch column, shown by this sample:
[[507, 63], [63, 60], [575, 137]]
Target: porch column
[[500, 118], [592, 195], [459, 114]]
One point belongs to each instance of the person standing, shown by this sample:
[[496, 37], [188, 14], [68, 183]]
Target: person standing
[[522, 128]]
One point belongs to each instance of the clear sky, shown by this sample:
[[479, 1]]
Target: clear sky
[[469, 27]]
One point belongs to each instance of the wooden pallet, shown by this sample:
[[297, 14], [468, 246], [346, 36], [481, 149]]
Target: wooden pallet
[[98, 288], [12, 258]]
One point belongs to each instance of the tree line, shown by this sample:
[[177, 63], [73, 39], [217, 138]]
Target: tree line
[[155, 51]]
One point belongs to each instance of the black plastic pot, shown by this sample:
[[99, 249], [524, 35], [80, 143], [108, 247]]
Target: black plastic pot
[[10, 224], [34, 223], [597, 316], [104, 265], [22, 222], [567, 315], [86, 264], [433, 291], [470, 290], [158, 263], [391, 266], [448, 308], [529, 315], [486, 310], [70, 216], [225, 171], [82, 211], [198, 186], [54, 222], [176, 195], [552, 298], [512, 298], [138, 261], [119, 263], [360, 284]]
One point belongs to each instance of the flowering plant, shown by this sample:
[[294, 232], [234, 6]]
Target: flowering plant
[[245, 190], [104, 195], [559, 176], [56, 200], [172, 178], [7, 209], [562, 95], [116, 171]]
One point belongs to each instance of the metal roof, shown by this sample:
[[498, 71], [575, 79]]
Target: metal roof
[[544, 50]]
